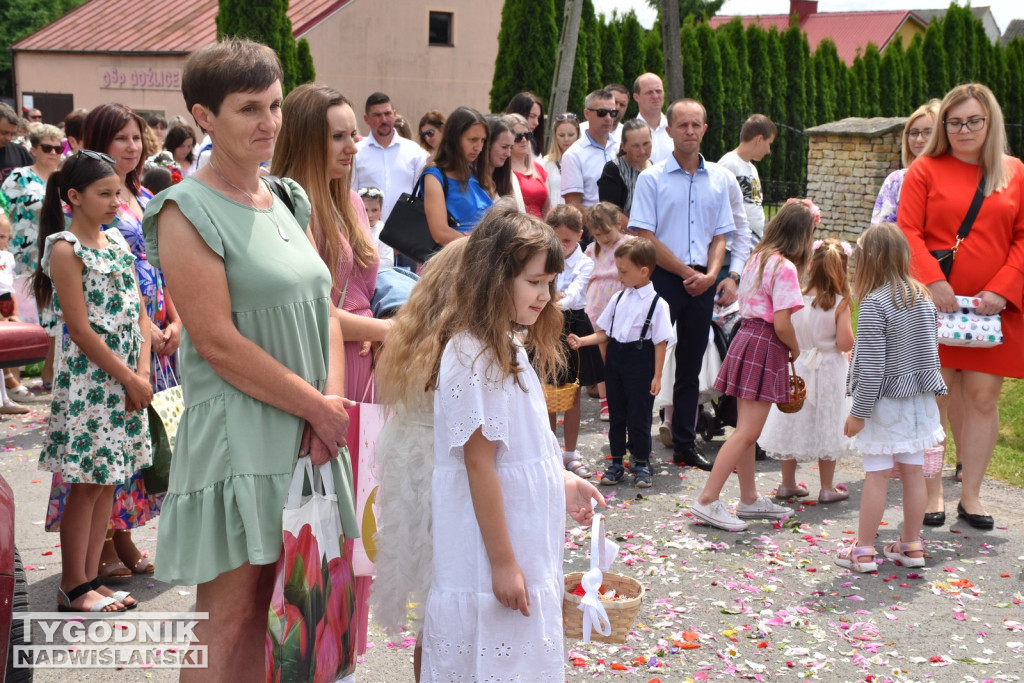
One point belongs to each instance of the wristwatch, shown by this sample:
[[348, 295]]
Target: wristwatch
[[735, 277]]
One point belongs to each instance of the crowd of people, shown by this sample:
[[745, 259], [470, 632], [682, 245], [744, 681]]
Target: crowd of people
[[597, 267]]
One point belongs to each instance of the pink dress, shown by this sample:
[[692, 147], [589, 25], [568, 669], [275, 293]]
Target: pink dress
[[361, 283], [605, 280]]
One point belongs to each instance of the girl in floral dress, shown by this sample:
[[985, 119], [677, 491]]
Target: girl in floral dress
[[98, 434], [117, 131]]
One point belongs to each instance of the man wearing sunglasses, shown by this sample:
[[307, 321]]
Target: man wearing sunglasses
[[12, 156], [583, 163], [649, 94], [621, 97], [683, 205]]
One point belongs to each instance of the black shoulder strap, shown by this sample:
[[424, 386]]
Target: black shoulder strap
[[650, 314], [281, 190], [972, 213], [614, 304]]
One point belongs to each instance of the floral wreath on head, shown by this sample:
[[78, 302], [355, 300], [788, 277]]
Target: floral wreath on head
[[815, 211], [844, 245], [164, 160]]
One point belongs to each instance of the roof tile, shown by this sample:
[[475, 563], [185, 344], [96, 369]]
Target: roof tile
[[152, 26]]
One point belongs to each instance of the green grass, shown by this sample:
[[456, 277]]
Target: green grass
[[1008, 459]]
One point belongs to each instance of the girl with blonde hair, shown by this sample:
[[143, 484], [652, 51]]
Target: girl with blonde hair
[[405, 447], [916, 134], [894, 378]]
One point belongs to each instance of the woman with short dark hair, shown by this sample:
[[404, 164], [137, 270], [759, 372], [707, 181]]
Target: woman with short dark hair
[[264, 359]]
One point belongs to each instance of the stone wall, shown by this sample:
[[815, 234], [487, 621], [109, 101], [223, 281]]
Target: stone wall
[[847, 162]]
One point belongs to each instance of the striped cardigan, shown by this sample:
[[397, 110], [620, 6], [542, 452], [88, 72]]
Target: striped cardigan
[[896, 353]]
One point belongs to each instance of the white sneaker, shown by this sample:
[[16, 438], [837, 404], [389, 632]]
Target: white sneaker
[[12, 408], [762, 508], [715, 514]]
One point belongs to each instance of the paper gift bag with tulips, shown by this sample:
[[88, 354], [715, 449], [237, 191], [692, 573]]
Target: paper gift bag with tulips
[[308, 633]]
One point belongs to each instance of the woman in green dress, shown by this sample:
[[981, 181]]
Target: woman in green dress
[[261, 358]]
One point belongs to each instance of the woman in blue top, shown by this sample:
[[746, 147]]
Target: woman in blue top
[[462, 166]]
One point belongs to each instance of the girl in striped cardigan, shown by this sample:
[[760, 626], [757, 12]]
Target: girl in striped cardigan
[[893, 378]]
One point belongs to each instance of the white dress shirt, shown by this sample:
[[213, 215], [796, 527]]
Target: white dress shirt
[[582, 165], [573, 281], [661, 143], [630, 313], [740, 242], [684, 211], [393, 169]]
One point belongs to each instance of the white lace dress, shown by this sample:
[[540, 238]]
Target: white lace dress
[[816, 430], [468, 635]]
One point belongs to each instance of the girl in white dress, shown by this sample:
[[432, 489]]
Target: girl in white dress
[[500, 492], [825, 334]]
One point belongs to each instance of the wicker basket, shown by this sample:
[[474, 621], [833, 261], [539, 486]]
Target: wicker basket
[[622, 614], [561, 398], [797, 392], [933, 458]]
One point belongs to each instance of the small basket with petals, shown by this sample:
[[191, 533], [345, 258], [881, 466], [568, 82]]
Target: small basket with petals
[[797, 392], [623, 609], [561, 398]]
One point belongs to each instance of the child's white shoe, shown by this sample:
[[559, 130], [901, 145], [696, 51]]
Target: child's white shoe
[[762, 508], [859, 559], [897, 552], [715, 514]]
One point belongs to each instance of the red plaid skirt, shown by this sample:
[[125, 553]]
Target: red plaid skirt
[[757, 365]]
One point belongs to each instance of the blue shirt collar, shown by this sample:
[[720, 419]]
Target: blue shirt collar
[[593, 142], [671, 165]]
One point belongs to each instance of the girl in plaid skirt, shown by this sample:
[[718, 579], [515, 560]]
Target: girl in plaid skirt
[[755, 369]]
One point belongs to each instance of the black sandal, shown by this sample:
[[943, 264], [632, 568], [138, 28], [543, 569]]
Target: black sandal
[[958, 476], [64, 600]]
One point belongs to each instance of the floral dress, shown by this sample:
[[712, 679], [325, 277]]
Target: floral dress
[[91, 439], [25, 190], [133, 505]]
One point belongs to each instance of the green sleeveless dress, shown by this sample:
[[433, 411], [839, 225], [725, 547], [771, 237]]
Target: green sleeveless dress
[[234, 455]]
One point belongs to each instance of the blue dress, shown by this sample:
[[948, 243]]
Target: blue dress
[[465, 204]]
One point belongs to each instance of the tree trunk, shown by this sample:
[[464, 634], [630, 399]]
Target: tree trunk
[[565, 61], [672, 49]]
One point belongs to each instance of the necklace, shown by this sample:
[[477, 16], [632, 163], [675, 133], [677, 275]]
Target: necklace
[[273, 220]]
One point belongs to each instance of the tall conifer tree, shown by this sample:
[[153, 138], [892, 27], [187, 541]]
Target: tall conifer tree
[[527, 48]]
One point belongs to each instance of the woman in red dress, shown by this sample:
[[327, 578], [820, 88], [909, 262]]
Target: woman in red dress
[[965, 150]]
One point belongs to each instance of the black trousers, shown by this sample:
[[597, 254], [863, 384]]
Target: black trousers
[[629, 370], [692, 317]]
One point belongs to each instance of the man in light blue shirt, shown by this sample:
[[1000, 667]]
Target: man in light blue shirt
[[682, 205]]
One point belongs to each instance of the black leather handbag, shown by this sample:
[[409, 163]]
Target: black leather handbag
[[406, 230]]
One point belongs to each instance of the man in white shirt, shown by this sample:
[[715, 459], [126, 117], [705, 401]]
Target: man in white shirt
[[649, 94], [682, 205], [583, 162], [756, 139], [385, 159], [621, 97]]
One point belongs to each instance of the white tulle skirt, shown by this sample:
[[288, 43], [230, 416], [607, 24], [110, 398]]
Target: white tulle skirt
[[816, 430], [405, 448]]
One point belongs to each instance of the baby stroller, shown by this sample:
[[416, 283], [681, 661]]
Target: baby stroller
[[710, 422]]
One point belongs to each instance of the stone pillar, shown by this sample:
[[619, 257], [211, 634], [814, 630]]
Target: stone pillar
[[847, 162]]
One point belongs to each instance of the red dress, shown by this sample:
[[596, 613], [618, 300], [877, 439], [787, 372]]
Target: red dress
[[935, 197], [535, 190]]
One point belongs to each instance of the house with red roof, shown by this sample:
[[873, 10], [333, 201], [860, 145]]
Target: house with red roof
[[850, 31], [425, 55]]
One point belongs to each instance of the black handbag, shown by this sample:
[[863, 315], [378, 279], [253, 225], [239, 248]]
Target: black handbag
[[945, 257], [406, 230]]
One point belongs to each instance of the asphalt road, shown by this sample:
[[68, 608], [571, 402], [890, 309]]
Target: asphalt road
[[765, 604]]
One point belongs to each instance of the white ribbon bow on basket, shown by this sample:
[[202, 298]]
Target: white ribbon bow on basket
[[602, 554]]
